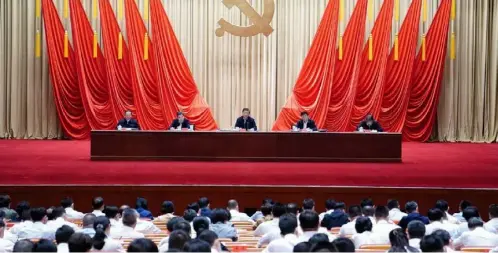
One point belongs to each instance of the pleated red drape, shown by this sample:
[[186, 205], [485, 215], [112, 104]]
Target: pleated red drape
[[427, 78], [397, 84], [143, 72], [347, 71], [313, 87], [177, 86], [372, 73], [92, 77], [118, 70], [63, 76]]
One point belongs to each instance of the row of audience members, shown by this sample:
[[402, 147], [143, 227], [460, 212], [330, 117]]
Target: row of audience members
[[284, 228]]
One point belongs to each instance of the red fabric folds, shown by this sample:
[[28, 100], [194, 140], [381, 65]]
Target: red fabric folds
[[118, 71], [372, 73], [427, 78], [347, 71], [177, 86], [64, 79], [91, 72], [142, 72], [314, 84], [397, 83]]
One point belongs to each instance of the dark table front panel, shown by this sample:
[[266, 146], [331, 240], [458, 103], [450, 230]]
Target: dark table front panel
[[260, 146]]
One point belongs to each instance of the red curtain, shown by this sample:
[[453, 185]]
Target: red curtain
[[427, 78], [347, 71], [373, 72], [313, 87], [118, 70], [177, 86], [91, 72], [63, 76]]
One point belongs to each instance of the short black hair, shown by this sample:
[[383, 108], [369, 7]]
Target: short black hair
[[177, 239], [343, 244], [179, 114], [141, 203], [44, 245], [268, 201], [302, 247], [493, 210], [318, 238], [475, 222], [22, 210], [189, 215], [266, 209], [278, 210], [304, 113], [97, 203], [5, 201], [203, 202], [354, 211], [381, 212], [129, 217], [368, 210], [88, 219], [232, 204], [38, 213], [63, 234], [416, 229], [111, 211], [292, 208], [58, 212], [194, 206], [363, 224], [443, 235], [208, 236], [340, 205], [323, 247], [246, 110], [142, 245], [330, 204], [219, 215], [464, 204], [431, 243], [411, 206], [309, 220], [442, 204], [67, 202], [79, 242], [287, 224], [308, 204], [435, 214], [24, 245], [167, 207], [183, 225], [392, 203], [200, 224], [170, 226], [470, 212], [197, 245], [366, 202]]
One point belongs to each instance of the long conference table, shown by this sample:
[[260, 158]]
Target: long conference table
[[245, 146]]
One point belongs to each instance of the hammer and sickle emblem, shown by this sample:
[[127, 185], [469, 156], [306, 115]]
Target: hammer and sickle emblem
[[261, 23]]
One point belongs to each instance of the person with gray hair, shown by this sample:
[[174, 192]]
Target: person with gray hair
[[477, 236], [233, 208], [129, 223], [88, 221]]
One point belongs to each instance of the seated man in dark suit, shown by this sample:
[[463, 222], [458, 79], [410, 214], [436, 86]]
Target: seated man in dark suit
[[369, 123], [413, 214], [128, 122], [180, 122], [306, 123], [245, 121]]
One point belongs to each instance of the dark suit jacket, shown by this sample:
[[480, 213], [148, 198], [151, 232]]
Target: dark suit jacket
[[403, 223], [176, 123], [375, 126], [132, 123], [250, 123], [311, 125]]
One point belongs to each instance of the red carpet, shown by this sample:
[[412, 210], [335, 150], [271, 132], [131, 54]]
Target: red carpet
[[447, 165]]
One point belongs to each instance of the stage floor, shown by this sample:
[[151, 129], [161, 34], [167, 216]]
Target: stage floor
[[427, 165]]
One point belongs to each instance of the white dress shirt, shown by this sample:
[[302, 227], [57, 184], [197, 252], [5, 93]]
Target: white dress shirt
[[382, 229], [305, 236], [146, 227], [459, 217], [415, 242], [451, 219], [366, 238], [98, 213], [238, 216], [73, 214], [17, 227], [63, 248], [9, 236], [478, 237], [112, 245], [492, 225], [462, 228], [324, 213], [266, 227], [348, 228], [395, 214], [284, 244], [6, 245], [269, 237], [35, 231], [451, 228], [126, 232], [59, 222]]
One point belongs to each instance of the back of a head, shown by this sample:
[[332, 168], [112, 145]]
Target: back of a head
[[63, 234], [340, 206], [5, 201], [66, 202], [435, 214], [318, 238], [208, 236], [442, 204], [88, 220], [398, 238], [38, 213], [343, 244], [142, 245], [475, 222], [287, 224], [194, 206], [129, 217], [381, 212], [268, 201], [167, 207], [183, 225], [323, 247], [354, 211], [24, 245], [493, 211], [292, 208], [416, 229], [44, 245], [170, 226], [219, 215], [470, 212], [22, 209], [58, 212], [197, 245], [368, 211], [278, 210], [443, 235], [464, 204], [232, 204], [411, 206], [177, 239], [141, 203], [97, 203], [203, 202], [363, 224], [266, 209], [309, 220], [200, 224], [330, 204], [302, 247], [308, 204], [111, 212], [100, 225], [392, 203], [366, 202], [79, 242], [189, 215], [431, 243]]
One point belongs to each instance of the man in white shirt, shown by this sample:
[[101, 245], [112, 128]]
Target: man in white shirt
[[435, 216], [68, 205], [467, 214], [38, 229], [98, 206], [492, 224], [112, 213], [463, 205], [477, 236], [145, 226], [309, 221], [59, 215], [369, 211], [383, 226], [5, 245], [364, 235], [416, 231], [233, 208], [287, 224], [395, 213], [272, 225], [349, 228], [62, 236], [448, 218], [329, 207], [129, 221]]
